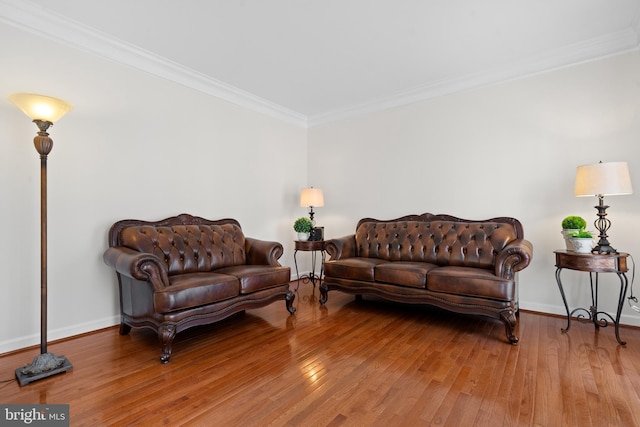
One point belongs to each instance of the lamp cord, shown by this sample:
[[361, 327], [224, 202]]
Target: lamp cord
[[631, 298]]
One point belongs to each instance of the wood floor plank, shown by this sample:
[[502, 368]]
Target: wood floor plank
[[350, 363]]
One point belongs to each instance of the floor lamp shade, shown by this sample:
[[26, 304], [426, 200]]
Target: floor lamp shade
[[43, 110], [41, 107]]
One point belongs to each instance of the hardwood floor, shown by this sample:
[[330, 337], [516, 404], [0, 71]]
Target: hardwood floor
[[353, 363]]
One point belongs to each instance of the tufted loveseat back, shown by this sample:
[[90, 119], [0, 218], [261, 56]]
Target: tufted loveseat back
[[437, 239], [187, 244]]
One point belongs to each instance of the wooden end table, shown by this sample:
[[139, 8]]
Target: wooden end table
[[313, 246], [594, 264]]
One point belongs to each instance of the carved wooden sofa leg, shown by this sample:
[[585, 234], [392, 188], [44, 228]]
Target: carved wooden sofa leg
[[124, 329], [324, 293], [509, 319], [166, 334], [289, 301]]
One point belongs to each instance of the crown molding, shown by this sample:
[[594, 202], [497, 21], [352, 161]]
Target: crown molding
[[590, 50], [44, 23]]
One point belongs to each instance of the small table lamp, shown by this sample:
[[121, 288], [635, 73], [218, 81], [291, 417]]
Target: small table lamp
[[603, 179], [311, 197]]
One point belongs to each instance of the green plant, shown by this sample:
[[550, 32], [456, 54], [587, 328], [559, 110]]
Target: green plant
[[582, 234], [573, 223], [303, 225]]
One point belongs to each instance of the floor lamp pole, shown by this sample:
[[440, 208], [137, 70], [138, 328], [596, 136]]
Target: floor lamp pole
[[42, 148], [45, 364]]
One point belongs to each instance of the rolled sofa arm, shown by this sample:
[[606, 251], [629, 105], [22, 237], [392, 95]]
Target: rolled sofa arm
[[138, 265], [262, 252], [341, 247], [513, 258]]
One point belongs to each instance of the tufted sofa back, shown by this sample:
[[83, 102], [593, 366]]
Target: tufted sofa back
[[187, 244], [441, 240]]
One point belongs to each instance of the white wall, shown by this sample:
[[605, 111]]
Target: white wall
[[135, 146], [506, 150]]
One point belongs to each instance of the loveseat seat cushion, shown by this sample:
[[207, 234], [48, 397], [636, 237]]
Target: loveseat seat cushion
[[355, 268], [470, 281], [195, 289], [256, 277], [404, 273]]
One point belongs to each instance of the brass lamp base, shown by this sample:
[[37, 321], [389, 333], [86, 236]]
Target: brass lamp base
[[44, 365]]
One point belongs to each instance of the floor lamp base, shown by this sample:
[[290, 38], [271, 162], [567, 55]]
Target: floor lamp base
[[44, 365]]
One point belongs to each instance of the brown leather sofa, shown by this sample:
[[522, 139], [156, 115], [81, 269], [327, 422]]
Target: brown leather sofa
[[185, 271], [460, 265]]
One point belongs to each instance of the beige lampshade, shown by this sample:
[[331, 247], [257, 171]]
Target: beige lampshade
[[311, 197], [603, 179], [41, 107]]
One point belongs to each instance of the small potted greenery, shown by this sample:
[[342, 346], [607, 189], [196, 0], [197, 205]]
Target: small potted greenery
[[573, 222], [582, 241], [303, 226], [575, 235]]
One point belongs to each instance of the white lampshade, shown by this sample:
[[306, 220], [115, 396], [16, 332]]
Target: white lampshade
[[603, 179], [41, 107], [311, 197]]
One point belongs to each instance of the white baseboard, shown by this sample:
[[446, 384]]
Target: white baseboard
[[625, 319], [56, 334]]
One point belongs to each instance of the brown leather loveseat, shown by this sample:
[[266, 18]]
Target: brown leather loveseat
[[460, 265], [185, 271]]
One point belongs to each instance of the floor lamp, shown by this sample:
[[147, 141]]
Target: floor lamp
[[43, 110]]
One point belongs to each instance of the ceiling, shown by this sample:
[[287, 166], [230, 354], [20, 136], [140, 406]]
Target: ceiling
[[314, 61]]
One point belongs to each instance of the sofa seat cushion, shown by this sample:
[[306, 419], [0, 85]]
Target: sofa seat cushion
[[353, 268], [256, 277], [195, 289], [405, 273], [470, 281]]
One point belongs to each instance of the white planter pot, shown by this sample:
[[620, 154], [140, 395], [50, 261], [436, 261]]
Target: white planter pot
[[568, 239], [303, 237], [582, 245]]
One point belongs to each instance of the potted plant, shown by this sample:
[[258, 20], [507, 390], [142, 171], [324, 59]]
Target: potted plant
[[582, 241], [303, 226], [572, 224]]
